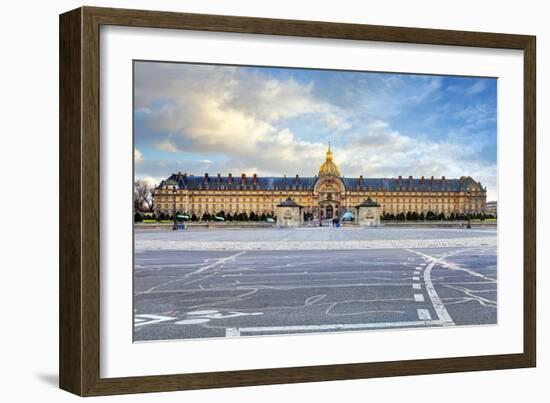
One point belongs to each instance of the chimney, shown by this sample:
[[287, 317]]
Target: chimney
[[243, 178], [431, 180], [230, 178], [422, 180], [206, 176], [442, 179], [255, 178], [219, 176]]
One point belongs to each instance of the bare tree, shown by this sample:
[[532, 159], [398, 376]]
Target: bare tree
[[143, 195]]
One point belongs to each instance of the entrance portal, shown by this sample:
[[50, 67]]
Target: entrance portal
[[329, 212]]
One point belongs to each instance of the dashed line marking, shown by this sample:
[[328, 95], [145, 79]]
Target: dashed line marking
[[440, 309], [424, 314], [416, 278], [419, 297], [416, 286]]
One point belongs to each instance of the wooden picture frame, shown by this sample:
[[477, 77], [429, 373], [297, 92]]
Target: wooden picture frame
[[79, 278]]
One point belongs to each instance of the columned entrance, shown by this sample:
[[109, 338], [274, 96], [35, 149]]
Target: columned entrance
[[329, 190], [328, 211]]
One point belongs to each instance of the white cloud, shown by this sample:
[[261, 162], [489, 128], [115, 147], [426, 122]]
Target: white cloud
[[429, 90], [167, 145], [150, 179], [476, 114], [138, 156], [208, 109], [211, 109], [477, 87]]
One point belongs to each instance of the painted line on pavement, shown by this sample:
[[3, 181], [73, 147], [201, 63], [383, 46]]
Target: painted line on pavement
[[440, 309], [419, 298], [198, 271], [424, 314], [142, 320], [234, 332]]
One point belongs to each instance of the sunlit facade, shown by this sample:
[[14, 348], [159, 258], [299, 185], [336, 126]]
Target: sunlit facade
[[326, 195]]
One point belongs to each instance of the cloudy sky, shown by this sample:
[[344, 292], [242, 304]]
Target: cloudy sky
[[274, 121]]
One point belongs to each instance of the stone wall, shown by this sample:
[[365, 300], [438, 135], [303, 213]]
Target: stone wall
[[369, 216], [289, 216]]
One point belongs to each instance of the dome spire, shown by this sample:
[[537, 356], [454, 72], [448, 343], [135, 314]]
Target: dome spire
[[329, 153], [329, 167]]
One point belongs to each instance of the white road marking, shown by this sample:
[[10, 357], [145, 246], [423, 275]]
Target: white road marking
[[474, 297], [220, 315], [416, 278], [198, 271], [232, 332], [347, 326], [440, 309], [416, 286], [203, 312], [203, 316], [416, 273], [419, 297], [314, 299], [141, 319], [424, 314], [452, 266], [193, 321]]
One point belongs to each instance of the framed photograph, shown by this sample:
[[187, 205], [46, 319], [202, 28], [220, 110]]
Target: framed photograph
[[249, 201]]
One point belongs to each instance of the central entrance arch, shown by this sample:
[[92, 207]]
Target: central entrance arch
[[329, 210], [329, 190], [330, 195]]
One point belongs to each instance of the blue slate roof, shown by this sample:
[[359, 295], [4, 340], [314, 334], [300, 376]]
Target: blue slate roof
[[191, 182], [288, 203], [368, 203]]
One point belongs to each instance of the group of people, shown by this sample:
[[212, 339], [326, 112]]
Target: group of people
[[335, 222]]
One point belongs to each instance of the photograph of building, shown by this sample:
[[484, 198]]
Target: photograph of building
[[325, 195], [273, 201]]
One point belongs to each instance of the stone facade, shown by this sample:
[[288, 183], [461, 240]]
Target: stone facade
[[289, 214], [325, 195], [368, 213]]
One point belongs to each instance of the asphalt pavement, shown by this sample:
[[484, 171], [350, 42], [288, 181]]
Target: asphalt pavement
[[182, 294]]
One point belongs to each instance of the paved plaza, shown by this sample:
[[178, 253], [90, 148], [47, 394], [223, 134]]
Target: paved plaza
[[250, 282]]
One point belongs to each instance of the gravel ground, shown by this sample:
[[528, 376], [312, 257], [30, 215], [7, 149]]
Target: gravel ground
[[313, 239]]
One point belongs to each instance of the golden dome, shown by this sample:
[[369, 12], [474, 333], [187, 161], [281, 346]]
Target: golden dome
[[329, 167]]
